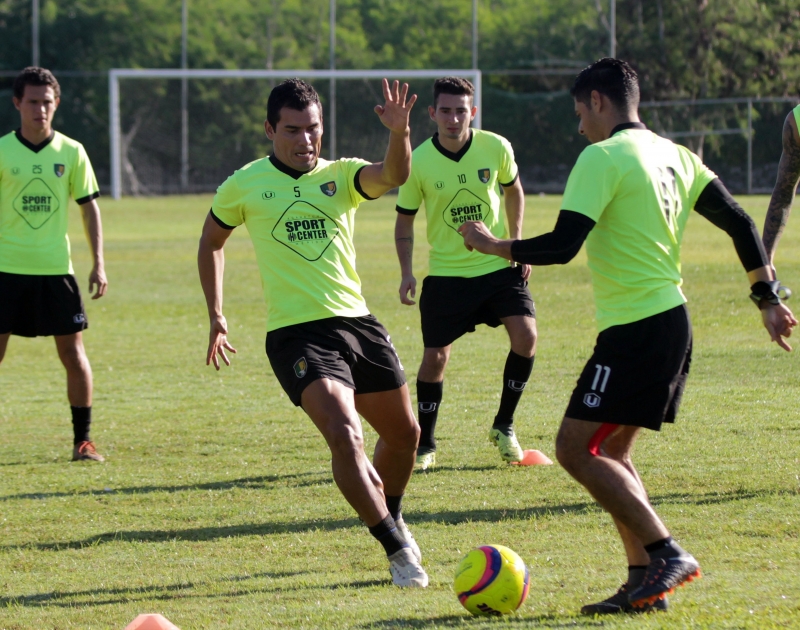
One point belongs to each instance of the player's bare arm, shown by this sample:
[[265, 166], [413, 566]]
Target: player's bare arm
[[404, 244], [515, 209], [211, 265], [379, 178], [785, 186], [478, 237], [93, 226], [778, 319]]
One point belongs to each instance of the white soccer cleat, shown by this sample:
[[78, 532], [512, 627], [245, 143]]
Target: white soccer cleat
[[408, 537], [406, 570], [426, 460]]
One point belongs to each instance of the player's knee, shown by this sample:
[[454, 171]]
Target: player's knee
[[567, 452], [345, 441], [74, 358]]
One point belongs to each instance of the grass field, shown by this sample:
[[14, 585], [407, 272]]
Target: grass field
[[216, 505]]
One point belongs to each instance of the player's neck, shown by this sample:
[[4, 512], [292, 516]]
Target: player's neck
[[36, 135], [454, 145]]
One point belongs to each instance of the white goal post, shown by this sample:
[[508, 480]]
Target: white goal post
[[114, 76]]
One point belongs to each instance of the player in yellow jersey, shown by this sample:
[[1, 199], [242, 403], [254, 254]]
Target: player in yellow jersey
[[331, 356], [40, 169], [780, 204], [456, 174], [629, 197]]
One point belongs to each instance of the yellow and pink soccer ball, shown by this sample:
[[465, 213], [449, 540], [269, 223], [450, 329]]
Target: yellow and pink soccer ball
[[491, 580]]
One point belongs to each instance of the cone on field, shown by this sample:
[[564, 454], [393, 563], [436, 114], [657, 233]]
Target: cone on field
[[152, 621], [533, 458]]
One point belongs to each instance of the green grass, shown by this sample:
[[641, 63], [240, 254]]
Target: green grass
[[216, 506]]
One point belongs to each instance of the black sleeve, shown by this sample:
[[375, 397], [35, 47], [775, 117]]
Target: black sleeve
[[219, 221], [716, 204], [557, 247]]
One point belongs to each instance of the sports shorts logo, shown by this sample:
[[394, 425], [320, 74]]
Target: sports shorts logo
[[329, 188], [59, 169], [517, 386], [267, 194], [300, 367], [591, 400], [484, 174], [426, 407], [80, 318]]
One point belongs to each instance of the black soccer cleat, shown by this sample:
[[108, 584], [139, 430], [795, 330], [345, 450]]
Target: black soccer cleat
[[618, 603], [663, 576]]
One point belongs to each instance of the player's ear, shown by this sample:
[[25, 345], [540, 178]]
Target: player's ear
[[472, 112], [17, 102], [596, 101], [269, 130], [431, 112]]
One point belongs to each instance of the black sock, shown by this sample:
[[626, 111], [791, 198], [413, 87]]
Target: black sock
[[429, 397], [81, 419], [635, 575], [394, 505], [386, 534], [515, 376], [664, 548]]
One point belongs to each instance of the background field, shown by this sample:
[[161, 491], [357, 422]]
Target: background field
[[216, 505]]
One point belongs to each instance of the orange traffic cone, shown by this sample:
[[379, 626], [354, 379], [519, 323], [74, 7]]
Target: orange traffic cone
[[533, 458], [151, 621]]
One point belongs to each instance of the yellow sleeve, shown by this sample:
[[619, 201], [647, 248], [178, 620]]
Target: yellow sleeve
[[227, 205], [508, 166], [409, 196], [82, 184], [592, 183]]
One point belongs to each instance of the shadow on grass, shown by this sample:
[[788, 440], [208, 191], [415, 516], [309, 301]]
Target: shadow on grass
[[206, 534], [245, 482], [467, 621], [167, 592]]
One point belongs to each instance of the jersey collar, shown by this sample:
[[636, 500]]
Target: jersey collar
[[35, 147], [456, 157], [627, 125], [283, 168]]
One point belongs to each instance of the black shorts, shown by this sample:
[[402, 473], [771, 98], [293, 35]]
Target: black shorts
[[40, 306], [355, 351], [450, 307], [637, 373]]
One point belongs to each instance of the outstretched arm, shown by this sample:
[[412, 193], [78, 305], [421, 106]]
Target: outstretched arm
[[211, 264], [379, 178], [93, 226], [782, 196], [404, 244]]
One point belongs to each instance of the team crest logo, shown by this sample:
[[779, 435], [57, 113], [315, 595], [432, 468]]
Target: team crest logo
[[484, 174], [591, 400], [59, 169], [329, 188], [301, 367], [267, 195]]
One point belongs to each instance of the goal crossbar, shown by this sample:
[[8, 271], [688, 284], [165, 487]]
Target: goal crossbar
[[115, 74]]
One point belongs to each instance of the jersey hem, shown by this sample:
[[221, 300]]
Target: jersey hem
[[461, 272], [219, 221], [644, 314], [322, 315]]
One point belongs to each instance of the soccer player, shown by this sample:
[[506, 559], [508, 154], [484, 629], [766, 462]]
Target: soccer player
[[331, 356], [786, 185], [39, 170], [456, 173], [629, 197]]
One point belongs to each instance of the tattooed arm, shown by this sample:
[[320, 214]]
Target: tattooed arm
[[782, 196]]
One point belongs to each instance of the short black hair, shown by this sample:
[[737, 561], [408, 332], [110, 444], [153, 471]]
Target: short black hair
[[452, 85], [612, 77], [33, 75], [292, 93]]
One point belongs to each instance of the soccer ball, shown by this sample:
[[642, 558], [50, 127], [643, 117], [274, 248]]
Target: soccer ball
[[491, 580]]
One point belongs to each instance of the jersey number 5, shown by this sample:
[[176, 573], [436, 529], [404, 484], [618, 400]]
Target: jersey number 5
[[669, 195]]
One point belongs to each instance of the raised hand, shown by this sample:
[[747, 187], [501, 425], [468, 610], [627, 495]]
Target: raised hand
[[394, 113]]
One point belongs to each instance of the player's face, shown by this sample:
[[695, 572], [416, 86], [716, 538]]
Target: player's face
[[297, 140], [589, 124], [453, 114], [37, 107]]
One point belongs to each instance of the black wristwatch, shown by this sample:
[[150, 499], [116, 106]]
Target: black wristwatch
[[768, 292]]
